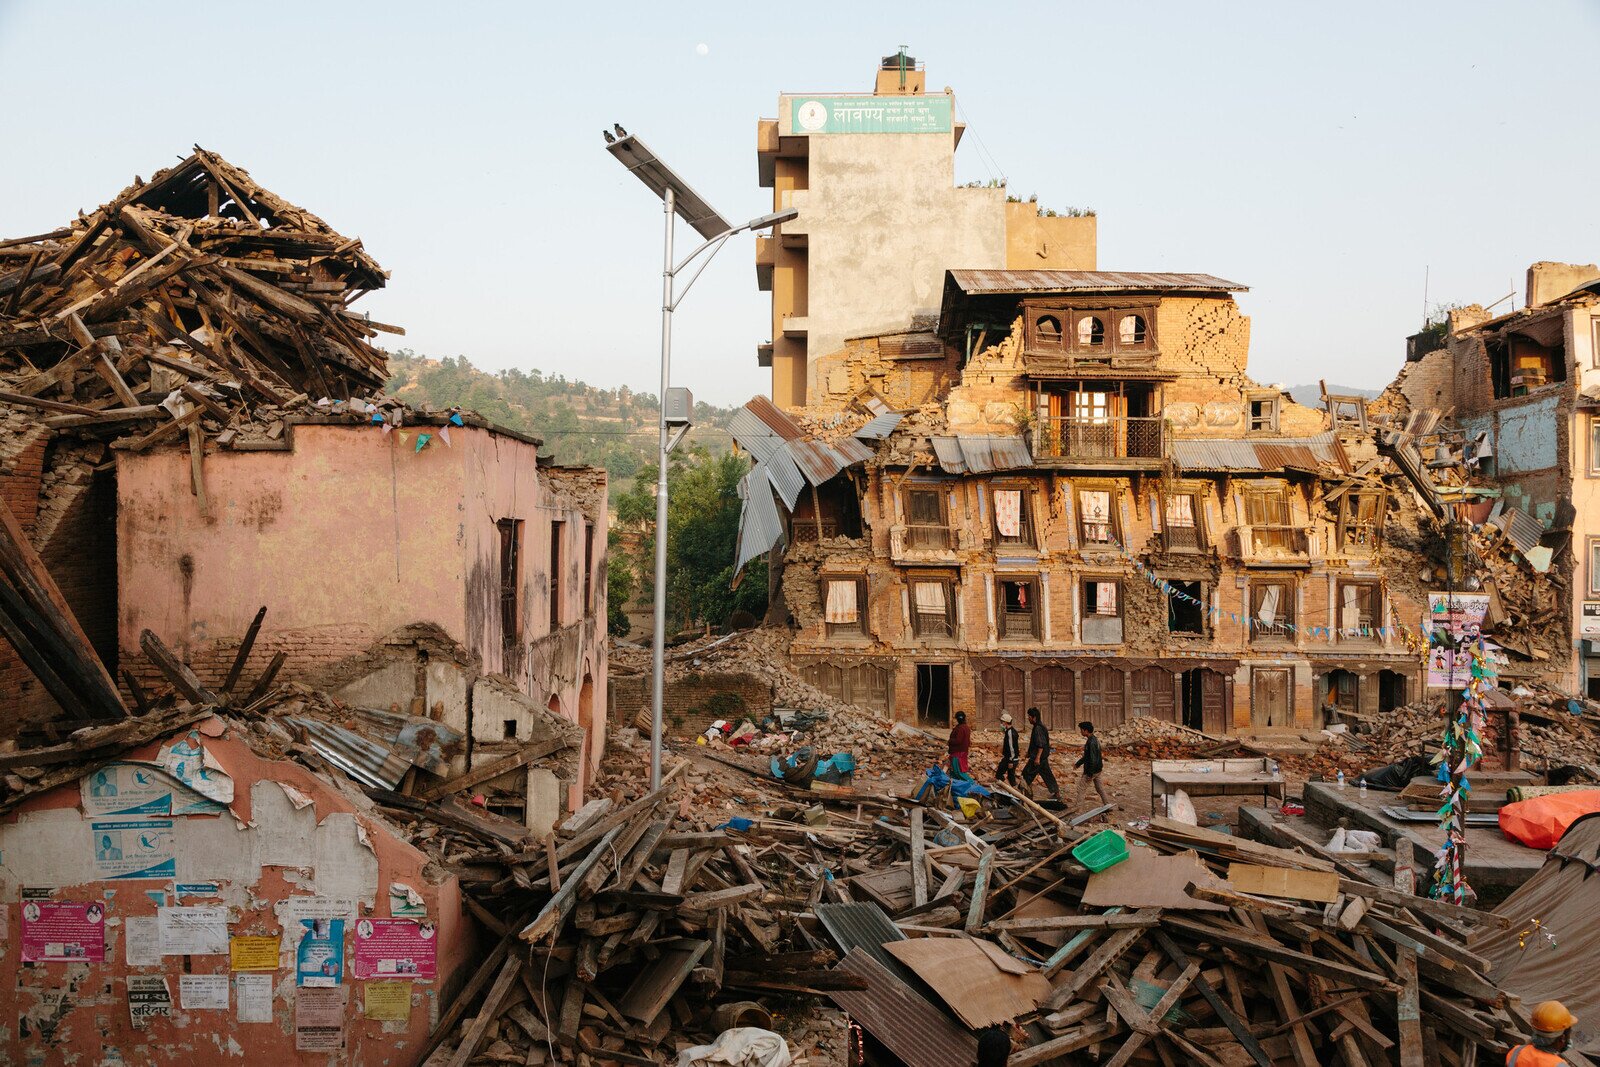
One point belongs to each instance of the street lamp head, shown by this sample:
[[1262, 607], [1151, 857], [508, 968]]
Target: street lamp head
[[661, 179], [773, 219]]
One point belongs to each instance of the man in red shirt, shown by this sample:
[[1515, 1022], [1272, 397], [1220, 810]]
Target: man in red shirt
[[960, 746]]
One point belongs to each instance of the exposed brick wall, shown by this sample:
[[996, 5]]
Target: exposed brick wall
[[687, 701]]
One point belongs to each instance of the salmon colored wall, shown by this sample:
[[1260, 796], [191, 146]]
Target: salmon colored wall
[[92, 1024]]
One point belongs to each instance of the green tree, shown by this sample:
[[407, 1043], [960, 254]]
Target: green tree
[[620, 583]]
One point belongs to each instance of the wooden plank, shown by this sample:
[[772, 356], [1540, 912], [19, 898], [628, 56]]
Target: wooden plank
[[1273, 951], [1056, 1047], [980, 891], [551, 917], [1422, 905], [486, 1014], [1240, 1032], [1103, 957], [494, 769], [1408, 1009], [654, 986], [176, 671], [1104, 921], [1319, 886], [243, 654], [919, 860]]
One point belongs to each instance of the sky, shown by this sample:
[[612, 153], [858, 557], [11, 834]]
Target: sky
[[1350, 163]]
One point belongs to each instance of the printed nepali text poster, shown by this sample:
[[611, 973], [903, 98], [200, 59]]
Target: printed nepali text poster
[[394, 948], [63, 931], [126, 789], [387, 1002], [253, 952], [193, 931], [319, 1019], [253, 997], [319, 962], [132, 848], [148, 998]]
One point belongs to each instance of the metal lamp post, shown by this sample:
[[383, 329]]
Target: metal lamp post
[[677, 200]]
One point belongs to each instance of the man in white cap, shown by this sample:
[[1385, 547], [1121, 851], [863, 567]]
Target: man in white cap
[[1009, 751]]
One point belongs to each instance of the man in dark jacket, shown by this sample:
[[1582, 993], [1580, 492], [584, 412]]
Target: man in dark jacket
[[960, 748], [1091, 764], [1039, 756], [1010, 752]]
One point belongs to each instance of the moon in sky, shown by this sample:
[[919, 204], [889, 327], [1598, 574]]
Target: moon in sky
[[702, 49]]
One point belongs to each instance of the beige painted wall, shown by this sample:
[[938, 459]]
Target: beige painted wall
[[1059, 243]]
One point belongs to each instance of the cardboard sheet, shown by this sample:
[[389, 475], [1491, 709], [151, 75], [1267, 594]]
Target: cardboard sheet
[[1147, 879], [1319, 886], [961, 972]]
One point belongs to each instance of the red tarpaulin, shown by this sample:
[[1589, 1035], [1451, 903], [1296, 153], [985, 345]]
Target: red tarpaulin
[[1540, 822]]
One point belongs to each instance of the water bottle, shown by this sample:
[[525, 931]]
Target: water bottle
[[1363, 786], [1341, 779]]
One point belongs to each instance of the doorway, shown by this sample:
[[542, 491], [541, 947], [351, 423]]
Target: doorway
[[1269, 697], [1391, 690], [933, 694], [1205, 701]]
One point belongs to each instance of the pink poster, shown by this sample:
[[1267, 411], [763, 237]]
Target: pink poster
[[62, 931], [395, 948]]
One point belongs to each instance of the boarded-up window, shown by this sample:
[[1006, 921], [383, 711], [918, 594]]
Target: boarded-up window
[[1266, 507], [927, 524]]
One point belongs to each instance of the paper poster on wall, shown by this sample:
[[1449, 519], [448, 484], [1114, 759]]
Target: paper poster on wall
[[253, 953], [395, 948], [292, 911], [319, 1019], [387, 1002], [132, 848], [126, 789], [193, 931], [203, 992], [405, 902], [148, 998], [63, 931], [142, 941], [183, 890], [253, 997], [193, 766], [1589, 622], [319, 962]]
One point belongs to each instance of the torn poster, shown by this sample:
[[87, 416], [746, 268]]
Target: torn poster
[[388, 1002], [126, 789], [203, 992], [405, 902], [142, 941], [63, 931], [194, 767], [195, 889], [253, 997], [394, 948], [133, 848], [253, 953], [148, 998], [319, 1020], [193, 931], [292, 911], [319, 962]]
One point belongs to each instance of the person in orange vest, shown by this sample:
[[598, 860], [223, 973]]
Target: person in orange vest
[[1552, 1032]]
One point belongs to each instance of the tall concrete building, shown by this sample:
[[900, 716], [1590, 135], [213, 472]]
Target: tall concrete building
[[881, 220]]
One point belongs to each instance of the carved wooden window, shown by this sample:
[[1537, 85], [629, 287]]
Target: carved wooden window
[[1271, 611], [1019, 613], [933, 606], [844, 605]]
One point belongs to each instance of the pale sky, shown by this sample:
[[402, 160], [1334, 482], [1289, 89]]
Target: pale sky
[[1325, 155]]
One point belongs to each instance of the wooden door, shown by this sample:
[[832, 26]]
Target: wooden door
[[1103, 702], [1214, 702], [1152, 694], [1053, 696], [999, 689], [1269, 697]]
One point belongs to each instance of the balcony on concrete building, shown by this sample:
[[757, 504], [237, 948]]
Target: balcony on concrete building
[[766, 257]]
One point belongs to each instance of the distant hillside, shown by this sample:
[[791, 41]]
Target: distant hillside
[[579, 423], [1311, 395]]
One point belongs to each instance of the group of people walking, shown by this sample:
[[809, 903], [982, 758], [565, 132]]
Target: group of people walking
[[1036, 765]]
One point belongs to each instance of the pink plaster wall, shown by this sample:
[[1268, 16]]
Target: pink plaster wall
[[96, 1020]]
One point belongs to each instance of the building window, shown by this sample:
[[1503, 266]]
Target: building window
[[1594, 566], [927, 518], [1096, 517], [1013, 518], [1594, 446], [1102, 611], [1091, 331], [1271, 611], [844, 604], [508, 728], [1047, 331], [1358, 610], [1360, 519], [558, 530], [1594, 340], [1266, 512], [1131, 331], [933, 607], [1019, 609], [1186, 608], [1264, 415], [1179, 523], [510, 581], [588, 568]]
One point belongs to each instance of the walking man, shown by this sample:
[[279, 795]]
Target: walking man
[[1039, 756], [960, 748], [1092, 764], [1010, 752]]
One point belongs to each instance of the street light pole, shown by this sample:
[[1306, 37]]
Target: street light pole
[[677, 199]]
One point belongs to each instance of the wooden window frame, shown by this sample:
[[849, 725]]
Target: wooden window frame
[[1028, 538], [1346, 520], [1196, 500], [1069, 315], [588, 568], [1594, 442], [1085, 612], [1035, 630], [558, 531], [1275, 411], [1285, 617], [857, 629], [1374, 609], [941, 493], [1115, 511], [510, 532], [951, 590], [1594, 571], [1204, 596]]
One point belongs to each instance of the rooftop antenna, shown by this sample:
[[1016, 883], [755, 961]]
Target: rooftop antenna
[[902, 66], [1426, 270]]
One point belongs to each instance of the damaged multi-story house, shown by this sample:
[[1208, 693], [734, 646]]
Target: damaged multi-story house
[[1512, 401], [1002, 478], [194, 430]]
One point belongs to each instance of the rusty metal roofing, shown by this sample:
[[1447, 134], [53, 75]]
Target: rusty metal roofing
[[915, 1031], [880, 427], [1101, 281], [1522, 529], [981, 453], [1259, 453], [760, 523]]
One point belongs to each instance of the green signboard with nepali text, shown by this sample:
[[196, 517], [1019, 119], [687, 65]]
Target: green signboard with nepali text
[[870, 114]]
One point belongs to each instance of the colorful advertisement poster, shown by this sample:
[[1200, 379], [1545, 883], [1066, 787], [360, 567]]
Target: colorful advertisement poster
[[63, 931], [395, 948], [148, 998], [133, 848], [1460, 615], [319, 1020], [319, 962], [1589, 621], [126, 789]]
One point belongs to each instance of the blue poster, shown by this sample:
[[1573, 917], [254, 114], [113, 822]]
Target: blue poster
[[320, 959]]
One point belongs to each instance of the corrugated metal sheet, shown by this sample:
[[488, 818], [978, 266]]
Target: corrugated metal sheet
[[774, 417], [1259, 454], [817, 460], [981, 453], [760, 524], [784, 475], [753, 435], [368, 762], [916, 1032], [880, 427], [864, 925], [1522, 529], [1053, 281]]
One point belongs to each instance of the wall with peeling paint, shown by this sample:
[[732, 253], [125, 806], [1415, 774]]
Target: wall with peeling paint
[[286, 836]]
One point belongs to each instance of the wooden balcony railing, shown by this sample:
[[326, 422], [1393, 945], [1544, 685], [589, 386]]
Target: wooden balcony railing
[[1107, 437]]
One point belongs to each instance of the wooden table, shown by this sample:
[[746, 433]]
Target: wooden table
[[1215, 777]]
